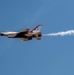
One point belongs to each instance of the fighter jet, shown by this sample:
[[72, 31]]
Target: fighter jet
[[26, 34]]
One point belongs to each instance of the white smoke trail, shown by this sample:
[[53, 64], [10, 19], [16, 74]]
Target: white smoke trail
[[63, 33]]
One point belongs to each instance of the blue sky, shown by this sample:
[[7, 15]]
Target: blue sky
[[49, 56]]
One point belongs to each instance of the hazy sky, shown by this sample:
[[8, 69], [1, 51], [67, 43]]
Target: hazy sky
[[49, 56]]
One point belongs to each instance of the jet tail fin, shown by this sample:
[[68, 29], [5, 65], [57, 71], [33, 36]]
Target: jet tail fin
[[37, 29]]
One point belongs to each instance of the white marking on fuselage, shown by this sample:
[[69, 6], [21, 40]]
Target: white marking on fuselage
[[9, 32]]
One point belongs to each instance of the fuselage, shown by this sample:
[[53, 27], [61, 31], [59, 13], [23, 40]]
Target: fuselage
[[25, 34], [17, 34]]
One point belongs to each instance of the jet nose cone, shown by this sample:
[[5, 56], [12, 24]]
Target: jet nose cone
[[1, 34]]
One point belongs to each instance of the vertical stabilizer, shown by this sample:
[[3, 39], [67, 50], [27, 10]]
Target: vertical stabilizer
[[37, 29]]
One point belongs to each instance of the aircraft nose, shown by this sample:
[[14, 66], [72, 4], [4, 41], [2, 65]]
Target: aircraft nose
[[1, 34]]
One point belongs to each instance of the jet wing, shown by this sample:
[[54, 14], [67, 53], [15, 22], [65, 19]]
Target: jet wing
[[26, 31], [24, 39]]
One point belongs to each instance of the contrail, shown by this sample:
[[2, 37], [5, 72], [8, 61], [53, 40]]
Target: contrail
[[63, 33]]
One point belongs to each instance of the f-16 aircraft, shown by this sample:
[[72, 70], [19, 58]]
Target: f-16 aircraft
[[25, 35]]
